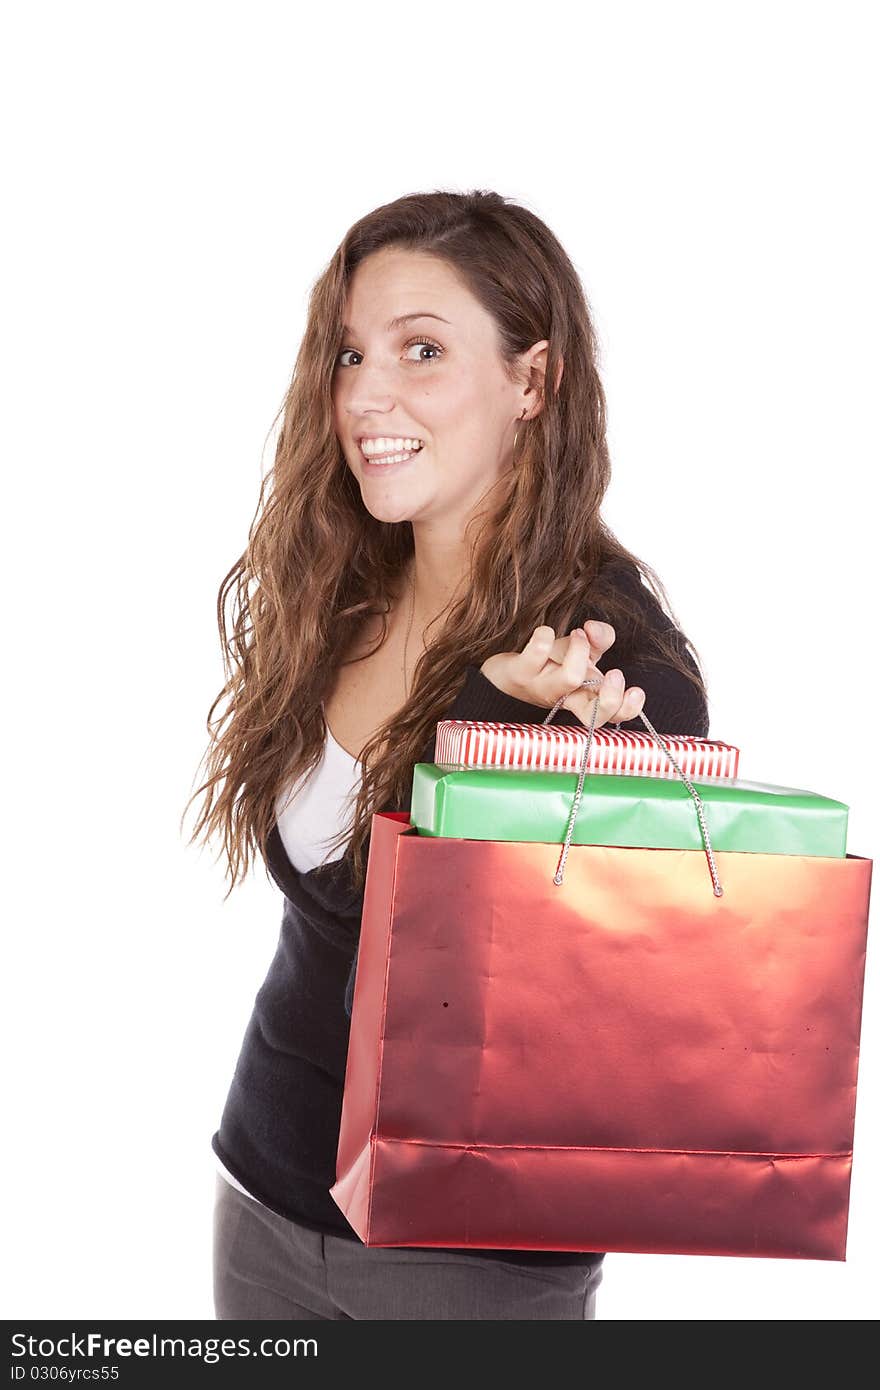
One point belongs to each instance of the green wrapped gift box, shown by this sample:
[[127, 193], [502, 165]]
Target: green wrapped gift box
[[648, 812]]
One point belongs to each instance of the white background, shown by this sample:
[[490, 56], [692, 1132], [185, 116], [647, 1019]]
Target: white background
[[176, 176]]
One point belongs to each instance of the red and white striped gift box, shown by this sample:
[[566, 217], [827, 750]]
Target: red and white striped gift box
[[560, 747]]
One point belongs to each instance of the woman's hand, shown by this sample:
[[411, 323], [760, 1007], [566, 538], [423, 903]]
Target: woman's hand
[[549, 667]]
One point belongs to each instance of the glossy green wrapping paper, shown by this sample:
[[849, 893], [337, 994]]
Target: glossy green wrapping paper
[[626, 810]]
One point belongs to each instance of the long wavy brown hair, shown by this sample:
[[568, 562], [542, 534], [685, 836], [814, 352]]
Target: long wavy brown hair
[[318, 564]]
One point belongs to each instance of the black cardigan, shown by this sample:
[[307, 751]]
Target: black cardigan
[[279, 1129]]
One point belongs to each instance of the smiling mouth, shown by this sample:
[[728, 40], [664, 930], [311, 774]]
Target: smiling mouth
[[385, 460]]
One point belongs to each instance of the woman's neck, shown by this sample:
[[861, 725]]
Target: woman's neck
[[435, 593]]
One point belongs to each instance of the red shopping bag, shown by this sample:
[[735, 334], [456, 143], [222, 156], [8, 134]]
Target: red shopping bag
[[620, 1060]]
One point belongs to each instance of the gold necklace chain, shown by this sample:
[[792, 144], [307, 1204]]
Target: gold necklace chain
[[412, 613]]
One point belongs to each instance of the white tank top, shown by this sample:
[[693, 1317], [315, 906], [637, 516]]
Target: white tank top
[[308, 820]]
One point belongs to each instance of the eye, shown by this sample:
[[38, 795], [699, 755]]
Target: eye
[[413, 342], [424, 342]]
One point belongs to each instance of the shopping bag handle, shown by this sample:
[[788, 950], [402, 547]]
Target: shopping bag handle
[[572, 815]]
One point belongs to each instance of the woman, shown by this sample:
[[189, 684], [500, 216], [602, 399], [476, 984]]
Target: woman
[[433, 523]]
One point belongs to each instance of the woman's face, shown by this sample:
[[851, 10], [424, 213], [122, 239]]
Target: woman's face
[[437, 379]]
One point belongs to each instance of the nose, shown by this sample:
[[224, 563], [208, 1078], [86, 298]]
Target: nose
[[371, 386], [370, 411]]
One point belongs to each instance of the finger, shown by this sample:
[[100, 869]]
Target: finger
[[594, 704], [630, 706], [559, 649], [611, 696], [535, 654], [600, 635], [616, 704], [576, 664]]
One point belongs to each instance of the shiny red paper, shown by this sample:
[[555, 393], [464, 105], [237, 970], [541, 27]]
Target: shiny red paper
[[622, 1062]]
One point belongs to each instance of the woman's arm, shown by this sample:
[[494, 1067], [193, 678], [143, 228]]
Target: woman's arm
[[672, 703]]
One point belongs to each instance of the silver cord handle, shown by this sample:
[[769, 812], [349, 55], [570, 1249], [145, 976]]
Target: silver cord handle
[[698, 802]]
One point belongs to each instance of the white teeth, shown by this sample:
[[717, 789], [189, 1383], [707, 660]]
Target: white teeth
[[393, 458], [375, 447]]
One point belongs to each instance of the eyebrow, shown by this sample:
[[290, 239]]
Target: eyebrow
[[400, 320]]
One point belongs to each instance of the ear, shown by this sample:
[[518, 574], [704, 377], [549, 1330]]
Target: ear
[[535, 364]]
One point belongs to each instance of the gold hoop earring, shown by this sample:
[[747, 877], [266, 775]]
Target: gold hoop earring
[[516, 432]]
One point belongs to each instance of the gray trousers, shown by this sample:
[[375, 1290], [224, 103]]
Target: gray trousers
[[268, 1267]]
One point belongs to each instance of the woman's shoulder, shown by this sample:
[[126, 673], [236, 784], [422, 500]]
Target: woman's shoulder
[[622, 598], [619, 596], [621, 577]]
